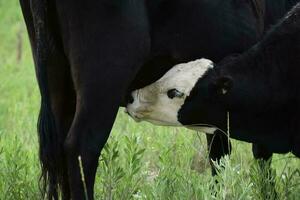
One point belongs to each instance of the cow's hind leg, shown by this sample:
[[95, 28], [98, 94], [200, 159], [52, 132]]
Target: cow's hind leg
[[63, 101], [102, 68], [57, 99], [96, 109]]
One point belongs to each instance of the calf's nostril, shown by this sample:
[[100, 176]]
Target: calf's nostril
[[130, 99]]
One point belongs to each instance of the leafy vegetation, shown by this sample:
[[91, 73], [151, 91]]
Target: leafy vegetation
[[140, 161]]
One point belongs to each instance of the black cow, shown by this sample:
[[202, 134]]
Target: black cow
[[259, 89], [90, 54]]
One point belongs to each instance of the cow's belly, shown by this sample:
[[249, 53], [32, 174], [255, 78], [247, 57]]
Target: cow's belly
[[182, 31]]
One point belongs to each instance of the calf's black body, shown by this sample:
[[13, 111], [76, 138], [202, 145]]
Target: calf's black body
[[260, 90]]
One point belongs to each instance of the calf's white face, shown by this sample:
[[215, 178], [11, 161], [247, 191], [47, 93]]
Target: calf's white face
[[160, 102]]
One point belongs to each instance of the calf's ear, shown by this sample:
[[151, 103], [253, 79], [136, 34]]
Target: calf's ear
[[222, 85]]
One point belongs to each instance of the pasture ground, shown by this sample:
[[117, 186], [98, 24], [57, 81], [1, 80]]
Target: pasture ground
[[141, 161]]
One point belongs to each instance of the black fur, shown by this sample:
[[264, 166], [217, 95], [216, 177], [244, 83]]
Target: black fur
[[264, 97], [50, 143]]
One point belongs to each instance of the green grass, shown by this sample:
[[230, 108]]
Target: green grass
[[140, 161]]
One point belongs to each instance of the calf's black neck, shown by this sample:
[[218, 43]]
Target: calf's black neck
[[264, 98]]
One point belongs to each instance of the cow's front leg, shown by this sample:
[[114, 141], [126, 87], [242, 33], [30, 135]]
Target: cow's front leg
[[218, 146], [264, 158], [261, 153]]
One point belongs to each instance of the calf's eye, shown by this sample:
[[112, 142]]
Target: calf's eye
[[174, 93]]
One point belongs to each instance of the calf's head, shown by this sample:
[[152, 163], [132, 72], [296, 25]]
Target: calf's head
[[180, 97]]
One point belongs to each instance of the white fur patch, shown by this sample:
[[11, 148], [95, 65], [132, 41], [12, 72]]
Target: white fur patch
[[152, 103], [203, 129]]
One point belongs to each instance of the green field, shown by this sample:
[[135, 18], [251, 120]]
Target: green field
[[141, 161]]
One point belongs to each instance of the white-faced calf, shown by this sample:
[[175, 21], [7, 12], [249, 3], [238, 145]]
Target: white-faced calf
[[260, 89]]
